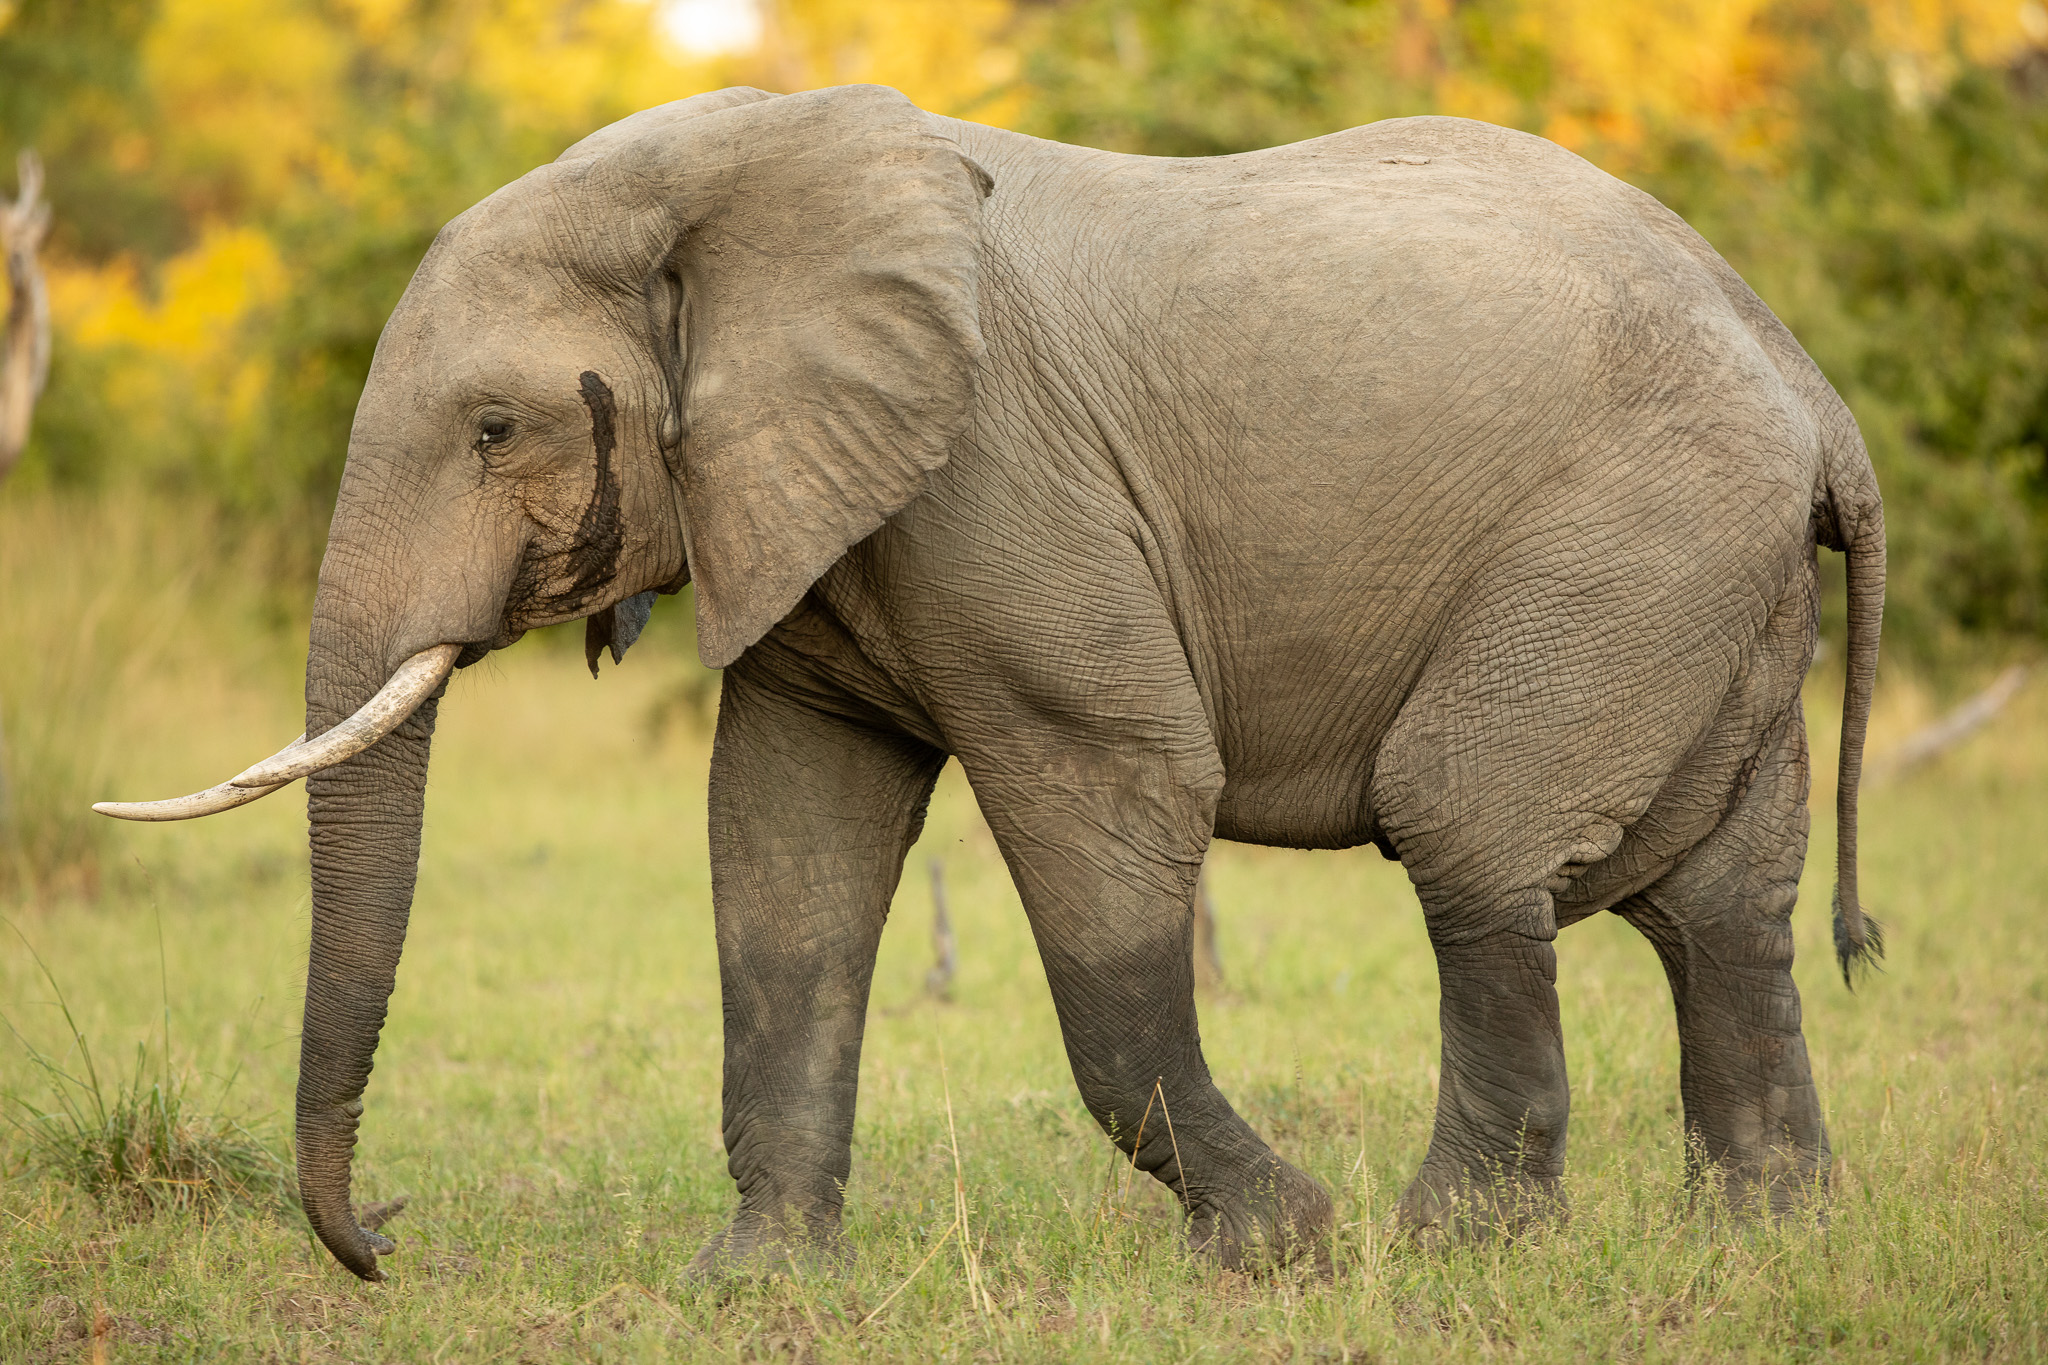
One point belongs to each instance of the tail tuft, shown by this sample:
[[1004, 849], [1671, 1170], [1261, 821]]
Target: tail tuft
[[1862, 945]]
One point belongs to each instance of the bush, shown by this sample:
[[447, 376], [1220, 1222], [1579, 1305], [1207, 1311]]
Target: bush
[[139, 1144]]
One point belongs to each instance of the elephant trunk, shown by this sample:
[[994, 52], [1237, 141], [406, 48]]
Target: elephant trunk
[[365, 818]]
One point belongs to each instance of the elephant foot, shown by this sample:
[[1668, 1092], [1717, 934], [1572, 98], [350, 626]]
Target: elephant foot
[[1443, 1206], [1787, 1182], [756, 1246], [1283, 1218]]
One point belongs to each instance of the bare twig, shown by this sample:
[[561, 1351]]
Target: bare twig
[[1208, 961], [25, 359], [938, 982], [1952, 729]]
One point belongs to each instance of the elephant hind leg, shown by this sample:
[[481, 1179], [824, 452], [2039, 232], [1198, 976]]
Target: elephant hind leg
[[1721, 923], [1496, 1154], [1511, 777], [1485, 878]]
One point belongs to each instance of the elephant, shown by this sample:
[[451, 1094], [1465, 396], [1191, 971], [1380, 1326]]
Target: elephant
[[1419, 486]]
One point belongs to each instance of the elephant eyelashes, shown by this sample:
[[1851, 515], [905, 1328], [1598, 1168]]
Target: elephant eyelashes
[[492, 434]]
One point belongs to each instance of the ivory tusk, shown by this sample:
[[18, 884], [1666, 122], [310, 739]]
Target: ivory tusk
[[411, 683], [212, 801]]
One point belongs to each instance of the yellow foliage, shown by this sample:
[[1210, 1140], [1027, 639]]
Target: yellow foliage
[[175, 364], [949, 56], [249, 91], [202, 295], [1718, 69]]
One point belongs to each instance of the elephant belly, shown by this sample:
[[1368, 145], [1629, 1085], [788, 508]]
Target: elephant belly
[[1321, 807], [1309, 711]]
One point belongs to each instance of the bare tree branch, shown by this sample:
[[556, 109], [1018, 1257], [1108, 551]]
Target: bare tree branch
[[1208, 960], [25, 361], [938, 982], [1952, 729]]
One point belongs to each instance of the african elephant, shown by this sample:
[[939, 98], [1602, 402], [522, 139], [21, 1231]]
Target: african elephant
[[1419, 485]]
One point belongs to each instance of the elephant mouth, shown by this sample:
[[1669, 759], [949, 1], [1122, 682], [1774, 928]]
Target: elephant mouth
[[410, 684]]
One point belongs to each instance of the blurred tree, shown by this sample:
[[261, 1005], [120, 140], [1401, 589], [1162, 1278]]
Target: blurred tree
[[25, 339], [1207, 77], [1901, 230]]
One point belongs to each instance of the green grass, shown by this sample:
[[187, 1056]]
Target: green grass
[[547, 1089], [141, 1143]]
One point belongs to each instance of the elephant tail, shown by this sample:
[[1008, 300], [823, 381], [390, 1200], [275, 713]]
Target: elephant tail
[[1853, 522]]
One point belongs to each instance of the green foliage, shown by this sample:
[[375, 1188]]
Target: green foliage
[[1207, 77], [1907, 247]]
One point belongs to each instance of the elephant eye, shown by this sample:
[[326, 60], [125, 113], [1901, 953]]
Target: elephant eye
[[492, 433]]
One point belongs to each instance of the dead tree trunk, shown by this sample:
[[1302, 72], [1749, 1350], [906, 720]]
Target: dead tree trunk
[[1952, 729], [25, 361]]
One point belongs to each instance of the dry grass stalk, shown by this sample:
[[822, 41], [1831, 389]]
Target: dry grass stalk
[[1159, 1089], [1131, 1176], [970, 1257], [937, 1247]]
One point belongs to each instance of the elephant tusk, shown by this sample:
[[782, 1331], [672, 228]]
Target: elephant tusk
[[412, 683], [212, 801]]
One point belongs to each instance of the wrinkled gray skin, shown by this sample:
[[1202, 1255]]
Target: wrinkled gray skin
[[1419, 485]]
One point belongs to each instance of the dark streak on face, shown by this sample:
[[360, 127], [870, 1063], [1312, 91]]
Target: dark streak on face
[[595, 559]]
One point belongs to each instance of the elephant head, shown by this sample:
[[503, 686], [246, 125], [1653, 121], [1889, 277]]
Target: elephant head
[[720, 342]]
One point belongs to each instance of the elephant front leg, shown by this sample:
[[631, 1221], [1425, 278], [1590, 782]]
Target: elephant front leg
[[1105, 847], [811, 816]]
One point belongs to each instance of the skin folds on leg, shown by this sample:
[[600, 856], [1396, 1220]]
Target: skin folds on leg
[[1105, 847], [811, 815], [1497, 1152], [1721, 922]]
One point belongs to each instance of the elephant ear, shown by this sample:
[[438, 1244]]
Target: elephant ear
[[821, 261]]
